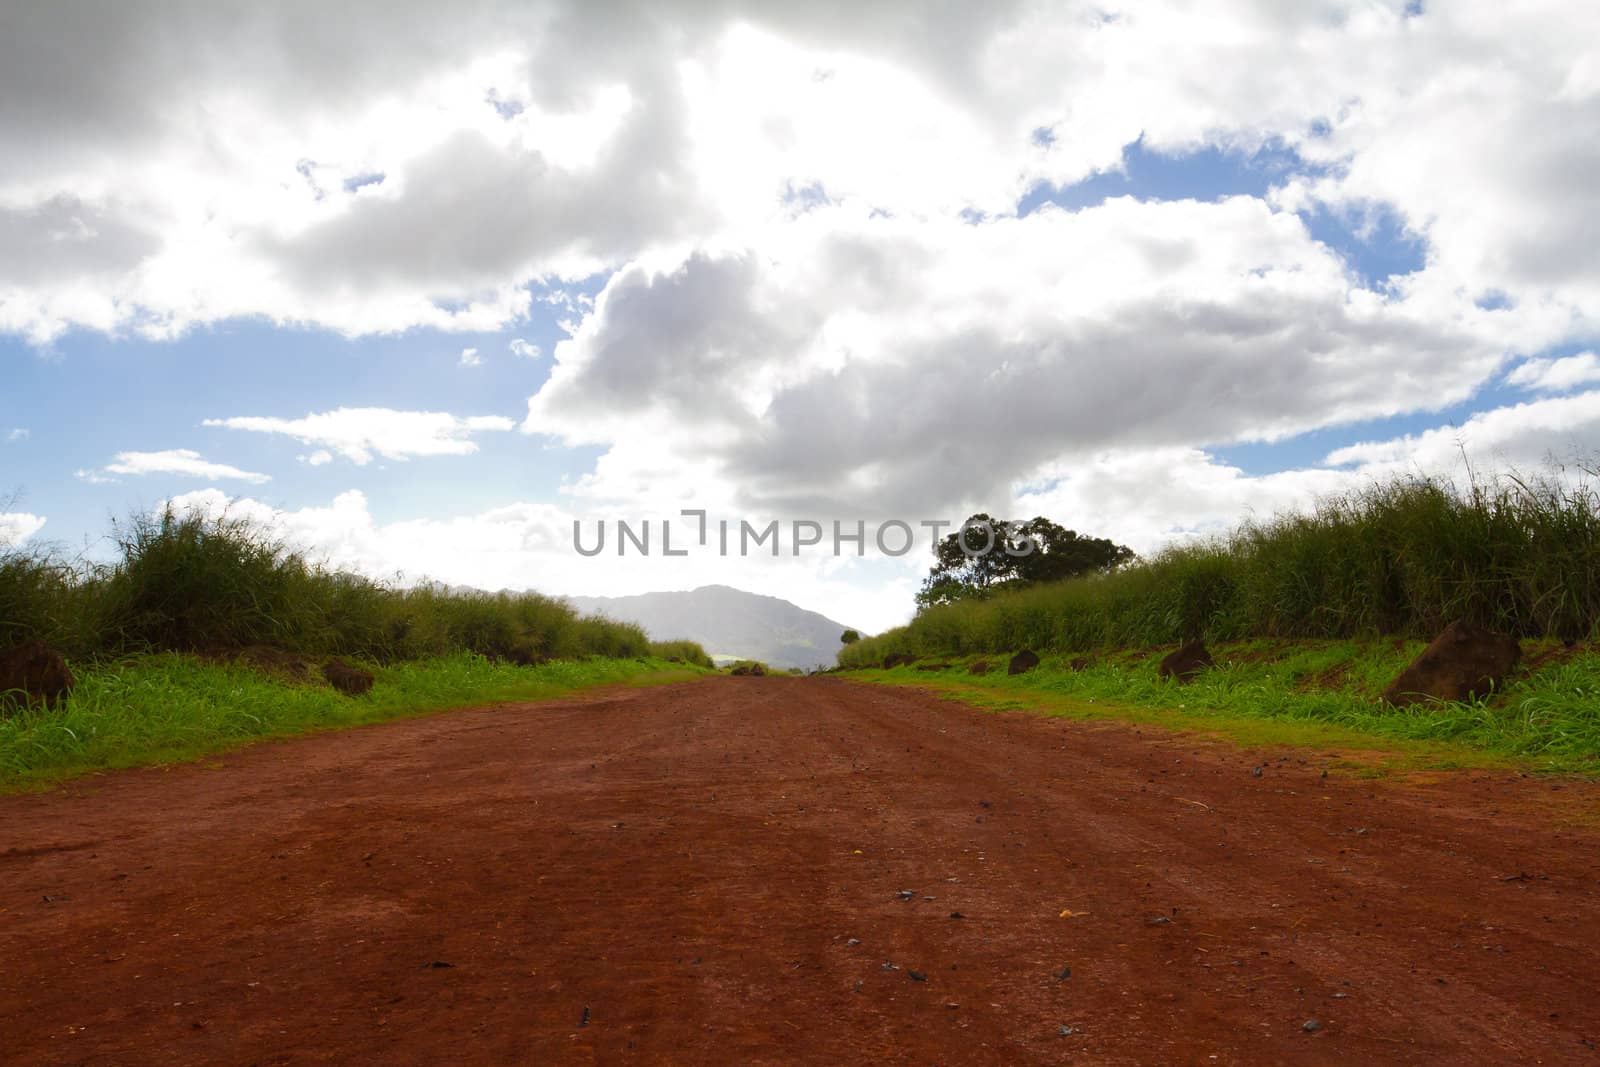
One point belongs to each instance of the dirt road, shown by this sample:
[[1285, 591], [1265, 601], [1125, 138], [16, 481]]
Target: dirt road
[[793, 870]]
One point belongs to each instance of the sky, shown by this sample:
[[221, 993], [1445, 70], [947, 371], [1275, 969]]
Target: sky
[[424, 286]]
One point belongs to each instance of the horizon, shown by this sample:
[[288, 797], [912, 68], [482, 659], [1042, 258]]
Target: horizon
[[423, 291]]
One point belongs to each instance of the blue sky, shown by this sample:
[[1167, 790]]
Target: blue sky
[[1175, 272]]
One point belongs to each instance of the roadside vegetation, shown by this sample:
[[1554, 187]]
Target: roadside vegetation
[[1308, 692], [205, 632], [1309, 616], [1401, 559]]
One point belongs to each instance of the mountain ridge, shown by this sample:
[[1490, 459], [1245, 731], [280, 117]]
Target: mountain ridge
[[729, 623]]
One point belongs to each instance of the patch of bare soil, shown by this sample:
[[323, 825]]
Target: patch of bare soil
[[785, 870]]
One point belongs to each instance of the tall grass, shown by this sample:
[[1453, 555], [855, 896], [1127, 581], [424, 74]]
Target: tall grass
[[1401, 558], [190, 583]]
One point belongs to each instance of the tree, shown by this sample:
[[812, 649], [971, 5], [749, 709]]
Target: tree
[[849, 637], [987, 554]]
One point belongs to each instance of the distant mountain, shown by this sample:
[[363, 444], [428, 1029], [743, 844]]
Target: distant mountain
[[729, 623]]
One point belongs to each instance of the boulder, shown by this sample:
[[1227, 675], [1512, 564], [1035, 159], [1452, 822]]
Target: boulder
[[898, 659], [1187, 662], [1022, 662], [35, 673], [1464, 661], [351, 681], [980, 667]]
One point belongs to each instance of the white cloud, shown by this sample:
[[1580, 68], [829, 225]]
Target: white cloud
[[851, 362], [1565, 429], [525, 349], [319, 457], [360, 433], [175, 461], [1556, 375], [19, 433], [470, 358], [445, 160], [17, 526], [93, 477]]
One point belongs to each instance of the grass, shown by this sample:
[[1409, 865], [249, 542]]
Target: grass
[[1315, 693], [173, 707], [1403, 558]]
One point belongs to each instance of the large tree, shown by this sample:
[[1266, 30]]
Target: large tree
[[987, 554]]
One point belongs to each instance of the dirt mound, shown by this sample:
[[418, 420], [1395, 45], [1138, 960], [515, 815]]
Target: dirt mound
[[1187, 662], [1463, 662], [1022, 662], [980, 667], [351, 681], [38, 671], [898, 659], [1081, 663]]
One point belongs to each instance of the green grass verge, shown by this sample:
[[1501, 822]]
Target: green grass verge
[[1317, 694], [168, 708]]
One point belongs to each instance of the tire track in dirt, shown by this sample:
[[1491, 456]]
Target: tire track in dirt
[[677, 874]]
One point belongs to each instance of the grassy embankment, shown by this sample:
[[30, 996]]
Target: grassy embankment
[[1310, 616], [154, 640]]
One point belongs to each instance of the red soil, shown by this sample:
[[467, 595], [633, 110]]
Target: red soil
[[712, 873]]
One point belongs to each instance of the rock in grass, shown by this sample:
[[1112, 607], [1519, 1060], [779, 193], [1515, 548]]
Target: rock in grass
[[898, 659], [1187, 662], [351, 681], [35, 673], [980, 667], [1463, 662], [1022, 662]]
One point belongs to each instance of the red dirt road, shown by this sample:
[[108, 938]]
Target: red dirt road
[[711, 872]]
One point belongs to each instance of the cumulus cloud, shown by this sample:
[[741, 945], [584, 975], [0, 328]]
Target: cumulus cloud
[[855, 362], [359, 434], [1556, 375], [17, 526], [18, 433], [470, 358], [525, 349], [1523, 435], [183, 461], [418, 169]]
